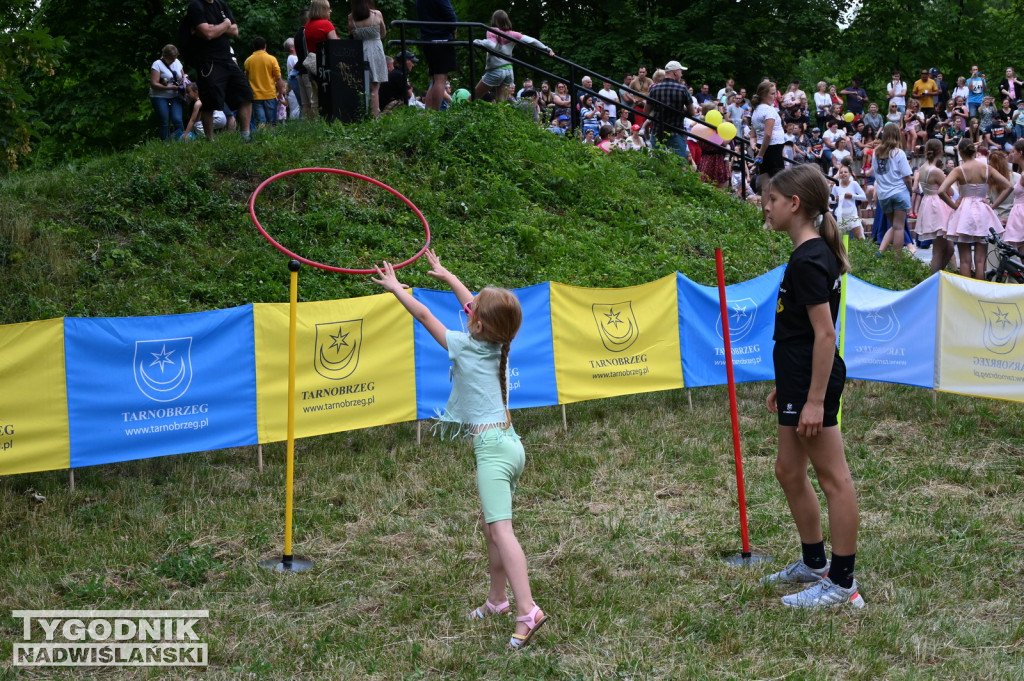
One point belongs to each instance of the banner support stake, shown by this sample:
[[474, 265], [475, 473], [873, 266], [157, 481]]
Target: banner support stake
[[288, 562], [842, 326], [746, 557]]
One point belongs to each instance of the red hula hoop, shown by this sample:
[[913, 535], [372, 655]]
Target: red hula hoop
[[313, 263]]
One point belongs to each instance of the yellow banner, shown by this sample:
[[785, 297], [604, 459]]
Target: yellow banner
[[355, 366], [981, 344], [33, 401], [620, 341]]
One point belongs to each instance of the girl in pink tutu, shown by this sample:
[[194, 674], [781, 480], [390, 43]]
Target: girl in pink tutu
[[933, 214], [1014, 234], [972, 216]]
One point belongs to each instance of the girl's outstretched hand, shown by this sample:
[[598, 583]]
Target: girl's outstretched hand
[[387, 279], [437, 270]]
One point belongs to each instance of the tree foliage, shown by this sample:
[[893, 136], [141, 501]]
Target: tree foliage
[[715, 40], [25, 57], [28, 55], [910, 35], [95, 98]]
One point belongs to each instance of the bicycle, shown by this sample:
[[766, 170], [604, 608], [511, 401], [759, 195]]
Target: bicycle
[[1008, 270]]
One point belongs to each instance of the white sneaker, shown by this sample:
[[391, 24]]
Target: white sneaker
[[825, 594], [796, 573]]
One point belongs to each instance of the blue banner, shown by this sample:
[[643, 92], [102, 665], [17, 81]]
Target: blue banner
[[751, 306], [531, 362], [891, 334], [433, 375], [140, 387]]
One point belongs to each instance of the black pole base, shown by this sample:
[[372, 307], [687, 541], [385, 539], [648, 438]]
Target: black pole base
[[286, 564], [745, 559]]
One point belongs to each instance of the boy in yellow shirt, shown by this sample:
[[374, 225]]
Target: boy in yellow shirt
[[264, 74], [925, 91]]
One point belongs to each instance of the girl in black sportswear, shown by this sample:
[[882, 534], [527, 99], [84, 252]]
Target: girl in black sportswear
[[809, 378]]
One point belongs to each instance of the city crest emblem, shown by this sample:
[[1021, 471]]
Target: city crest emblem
[[337, 348], [163, 368], [879, 325], [742, 313], [1002, 326], [616, 325]]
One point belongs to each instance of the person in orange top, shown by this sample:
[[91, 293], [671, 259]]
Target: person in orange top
[[925, 91], [264, 74]]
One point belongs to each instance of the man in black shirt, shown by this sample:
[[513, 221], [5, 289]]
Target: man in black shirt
[[220, 80]]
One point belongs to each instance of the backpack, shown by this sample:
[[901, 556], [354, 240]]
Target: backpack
[[300, 50]]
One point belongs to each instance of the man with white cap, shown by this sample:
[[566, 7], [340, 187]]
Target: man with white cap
[[666, 104]]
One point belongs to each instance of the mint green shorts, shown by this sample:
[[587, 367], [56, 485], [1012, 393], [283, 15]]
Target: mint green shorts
[[500, 459]]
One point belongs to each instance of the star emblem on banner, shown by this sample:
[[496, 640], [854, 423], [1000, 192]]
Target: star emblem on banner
[[338, 340], [1001, 317], [162, 358], [613, 319]]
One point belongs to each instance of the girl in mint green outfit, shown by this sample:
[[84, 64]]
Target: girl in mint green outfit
[[478, 409]]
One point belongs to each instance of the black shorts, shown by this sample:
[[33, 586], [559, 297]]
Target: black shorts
[[773, 160], [793, 381], [221, 83], [440, 58]]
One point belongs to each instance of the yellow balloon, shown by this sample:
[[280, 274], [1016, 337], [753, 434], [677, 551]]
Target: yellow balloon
[[727, 131], [714, 117], [848, 117]]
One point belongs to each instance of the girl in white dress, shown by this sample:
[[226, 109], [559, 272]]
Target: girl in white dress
[[847, 193], [367, 24]]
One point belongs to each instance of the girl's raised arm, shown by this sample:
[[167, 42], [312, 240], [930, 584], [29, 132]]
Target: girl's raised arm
[[438, 271], [387, 279]]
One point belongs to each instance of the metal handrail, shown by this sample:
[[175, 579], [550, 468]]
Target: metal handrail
[[574, 89]]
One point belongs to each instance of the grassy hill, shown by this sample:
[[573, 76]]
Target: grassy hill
[[165, 228]]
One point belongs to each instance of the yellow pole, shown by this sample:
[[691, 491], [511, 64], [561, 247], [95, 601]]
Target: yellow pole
[[293, 266], [842, 325], [288, 563]]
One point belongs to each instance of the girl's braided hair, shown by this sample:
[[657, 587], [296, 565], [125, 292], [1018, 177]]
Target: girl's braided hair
[[500, 316]]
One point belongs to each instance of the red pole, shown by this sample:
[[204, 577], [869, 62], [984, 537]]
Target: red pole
[[733, 412]]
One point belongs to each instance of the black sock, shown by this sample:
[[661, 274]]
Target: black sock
[[841, 572], [814, 555]]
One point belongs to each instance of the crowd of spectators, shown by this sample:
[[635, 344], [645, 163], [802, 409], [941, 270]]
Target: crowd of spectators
[[835, 125]]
